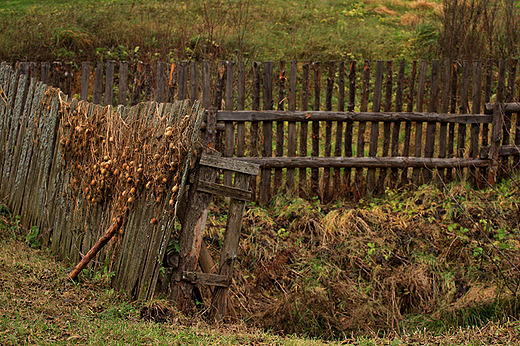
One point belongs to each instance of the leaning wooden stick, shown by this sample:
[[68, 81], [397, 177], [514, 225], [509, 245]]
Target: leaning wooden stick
[[95, 249]]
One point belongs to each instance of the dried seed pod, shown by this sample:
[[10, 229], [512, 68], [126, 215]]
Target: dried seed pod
[[168, 133], [129, 180], [131, 199], [106, 158], [111, 139], [171, 202], [103, 171], [156, 157], [139, 170], [124, 193], [132, 163], [175, 188], [148, 184], [164, 180], [153, 221], [93, 182], [96, 167], [132, 190], [116, 171], [125, 166]]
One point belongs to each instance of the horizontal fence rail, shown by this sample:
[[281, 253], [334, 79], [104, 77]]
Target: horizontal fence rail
[[342, 164]]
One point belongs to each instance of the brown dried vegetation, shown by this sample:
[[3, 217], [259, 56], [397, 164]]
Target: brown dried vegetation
[[115, 155], [406, 259]]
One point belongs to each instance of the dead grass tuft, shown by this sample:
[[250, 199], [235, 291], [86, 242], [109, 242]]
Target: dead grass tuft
[[383, 10]]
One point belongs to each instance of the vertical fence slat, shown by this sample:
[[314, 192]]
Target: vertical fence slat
[[138, 83], [359, 185], [304, 128], [506, 132], [328, 130], [161, 68], [386, 125], [219, 95], [396, 130], [254, 125], [68, 78], [230, 126], [431, 127], [408, 124], [56, 74], [453, 108], [109, 83], [337, 188], [347, 175], [85, 75], [267, 127], [419, 125], [183, 81], [315, 152], [206, 85], [291, 126], [475, 128], [499, 172], [280, 126], [98, 84], [463, 108], [194, 81], [374, 132], [443, 131], [241, 127], [45, 72], [123, 86]]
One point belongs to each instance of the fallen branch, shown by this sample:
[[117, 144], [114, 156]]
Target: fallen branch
[[112, 230]]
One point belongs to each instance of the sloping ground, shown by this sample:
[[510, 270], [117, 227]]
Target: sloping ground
[[432, 267], [39, 306]]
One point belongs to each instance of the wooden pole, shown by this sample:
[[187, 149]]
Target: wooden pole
[[98, 246]]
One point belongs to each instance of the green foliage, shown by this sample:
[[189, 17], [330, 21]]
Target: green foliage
[[205, 29], [32, 238]]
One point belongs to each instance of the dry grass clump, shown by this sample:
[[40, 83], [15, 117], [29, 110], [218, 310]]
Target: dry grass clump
[[408, 259]]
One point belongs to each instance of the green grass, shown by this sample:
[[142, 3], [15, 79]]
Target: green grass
[[399, 269], [204, 29]]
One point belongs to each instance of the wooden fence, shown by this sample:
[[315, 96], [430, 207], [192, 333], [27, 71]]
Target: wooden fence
[[40, 185], [307, 137]]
